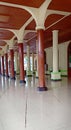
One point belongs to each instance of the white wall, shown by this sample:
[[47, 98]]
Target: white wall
[[62, 56], [49, 57]]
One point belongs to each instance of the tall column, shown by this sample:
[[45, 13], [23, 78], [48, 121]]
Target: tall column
[[6, 62], [12, 64], [21, 60], [32, 62], [28, 62], [16, 62], [2, 65], [55, 75], [37, 58], [41, 70]]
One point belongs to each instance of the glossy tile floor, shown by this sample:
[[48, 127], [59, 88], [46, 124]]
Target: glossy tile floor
[[22, 107]]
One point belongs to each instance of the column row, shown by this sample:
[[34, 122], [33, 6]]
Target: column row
[[55, 75], [9, 68]]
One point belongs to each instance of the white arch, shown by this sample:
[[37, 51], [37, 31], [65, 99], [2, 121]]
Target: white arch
[[35, 12], [28, 9], [11, 30]]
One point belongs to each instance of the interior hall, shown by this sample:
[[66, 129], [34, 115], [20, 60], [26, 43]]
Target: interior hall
[[35, 65]]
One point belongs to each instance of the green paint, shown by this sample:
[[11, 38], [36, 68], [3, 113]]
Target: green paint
[[55, 72], [63, 70]]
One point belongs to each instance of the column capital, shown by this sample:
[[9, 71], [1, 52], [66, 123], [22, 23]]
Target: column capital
[[28, 46], [20, 41], [55, 31], [20, 36], [10, 48], [2, 53], [39, 27], [5, 49]]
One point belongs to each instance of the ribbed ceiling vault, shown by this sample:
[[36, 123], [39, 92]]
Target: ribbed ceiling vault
[[15, 18]]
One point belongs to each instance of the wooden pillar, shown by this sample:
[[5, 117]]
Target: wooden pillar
[[2, 65], [21, 58], [12, 64], [6, 62], [41, 70]]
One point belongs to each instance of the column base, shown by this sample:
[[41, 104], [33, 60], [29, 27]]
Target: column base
[[36, 74], [29, 73], [7, 76], [3, 74], [56, 76], [22, 81], [17, 72], [42, 88], [33, 73], [63, 73], [13, 78]]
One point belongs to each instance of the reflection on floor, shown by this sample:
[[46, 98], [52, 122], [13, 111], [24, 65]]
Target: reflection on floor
[[22, 107]]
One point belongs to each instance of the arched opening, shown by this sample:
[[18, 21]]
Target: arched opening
[[69, 60]]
